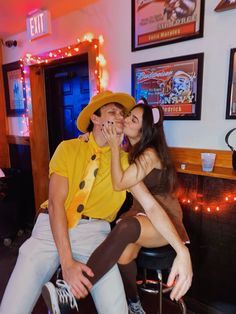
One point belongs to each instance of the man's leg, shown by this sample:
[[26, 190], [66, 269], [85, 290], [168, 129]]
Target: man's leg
[[36, 263], [108, 293]]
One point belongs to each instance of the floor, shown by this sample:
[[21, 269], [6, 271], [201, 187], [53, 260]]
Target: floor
[[8, 257]]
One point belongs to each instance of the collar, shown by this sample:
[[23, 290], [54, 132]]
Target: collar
[[92, 143]]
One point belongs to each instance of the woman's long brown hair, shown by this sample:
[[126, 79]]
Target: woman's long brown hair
[[153, 136]]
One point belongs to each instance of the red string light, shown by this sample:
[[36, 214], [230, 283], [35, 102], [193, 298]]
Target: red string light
[[217, 206]]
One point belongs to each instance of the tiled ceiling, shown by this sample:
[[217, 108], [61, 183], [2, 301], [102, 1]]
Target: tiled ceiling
[[13, 13]]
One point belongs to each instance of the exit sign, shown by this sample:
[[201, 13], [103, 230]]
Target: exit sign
[[38, 24]]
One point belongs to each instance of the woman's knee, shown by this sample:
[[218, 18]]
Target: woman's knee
[[129, 226]]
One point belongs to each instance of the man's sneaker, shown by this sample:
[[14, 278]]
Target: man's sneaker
[[135, 307], [58, 299]]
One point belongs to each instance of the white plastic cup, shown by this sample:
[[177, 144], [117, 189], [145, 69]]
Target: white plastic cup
[[208, 160]]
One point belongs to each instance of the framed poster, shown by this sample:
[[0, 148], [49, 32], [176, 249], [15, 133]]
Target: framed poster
[[157, 22], [14, 86], [224, 5], [175, 84], [231, 95]]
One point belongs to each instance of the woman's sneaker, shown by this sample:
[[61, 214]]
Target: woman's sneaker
[[58, 299], [135, 307]]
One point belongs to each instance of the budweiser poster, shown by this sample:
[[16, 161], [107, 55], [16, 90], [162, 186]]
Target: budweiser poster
[[175, 84], [157, 22]]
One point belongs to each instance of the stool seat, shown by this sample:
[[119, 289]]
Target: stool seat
[[156, 258]]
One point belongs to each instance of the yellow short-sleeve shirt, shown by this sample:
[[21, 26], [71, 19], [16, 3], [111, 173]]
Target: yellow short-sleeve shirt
[[70, 160]]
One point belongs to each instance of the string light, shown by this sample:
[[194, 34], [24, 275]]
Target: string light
[[71, 50], [100, 72], [216, 206], [101, 60], [101, 39], [88, 37]]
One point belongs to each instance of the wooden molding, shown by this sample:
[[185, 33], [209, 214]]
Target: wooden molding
[[19, 140], [191, 157], [39, 135], [4, 149]]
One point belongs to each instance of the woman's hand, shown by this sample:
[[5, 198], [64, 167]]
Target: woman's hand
[[181, 275], [110, 134], [84, 137]]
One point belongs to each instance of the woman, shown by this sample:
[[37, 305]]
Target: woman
[[149, 162]]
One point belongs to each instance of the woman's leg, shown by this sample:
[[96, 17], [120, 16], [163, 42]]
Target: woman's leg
[[129, 273], [149, 237], [127, 237], [108, 253]]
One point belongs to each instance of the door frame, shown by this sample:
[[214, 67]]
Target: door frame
[[39, 141]]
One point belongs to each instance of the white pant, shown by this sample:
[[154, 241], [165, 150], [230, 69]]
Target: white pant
[[38, 260]]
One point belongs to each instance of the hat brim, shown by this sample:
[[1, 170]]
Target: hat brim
[[123, 99]]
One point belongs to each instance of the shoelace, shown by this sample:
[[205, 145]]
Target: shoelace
[[65, 295], [136, 307]]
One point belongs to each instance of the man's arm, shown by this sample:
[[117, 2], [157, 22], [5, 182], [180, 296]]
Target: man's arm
[[181, 271], [71, 269]]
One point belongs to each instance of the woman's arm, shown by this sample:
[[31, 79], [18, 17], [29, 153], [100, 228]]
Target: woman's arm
[[136, 172], [181, 271]]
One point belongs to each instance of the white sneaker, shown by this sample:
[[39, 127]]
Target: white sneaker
[[135, 307], [58, 298]]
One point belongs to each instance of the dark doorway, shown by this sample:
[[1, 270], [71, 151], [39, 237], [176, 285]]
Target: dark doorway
[[67, 93]]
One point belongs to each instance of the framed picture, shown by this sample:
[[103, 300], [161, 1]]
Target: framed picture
[[175, 84], [157, 22], [224, 5], [14, 89], [231, 95]]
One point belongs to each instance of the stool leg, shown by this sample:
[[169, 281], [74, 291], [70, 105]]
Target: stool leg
[[159, 274], [144, 276], [182, 306]]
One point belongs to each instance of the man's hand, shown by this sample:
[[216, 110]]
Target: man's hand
[[73, 275], [181, 275]]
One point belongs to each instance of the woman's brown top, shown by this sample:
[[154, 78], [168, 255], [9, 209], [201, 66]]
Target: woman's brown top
[[169, 203]]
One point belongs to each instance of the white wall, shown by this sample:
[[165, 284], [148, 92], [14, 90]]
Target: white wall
[[112, 18]]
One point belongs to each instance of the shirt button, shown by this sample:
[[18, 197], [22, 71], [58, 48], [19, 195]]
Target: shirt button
[[80, 208], [82, 184], [95, 172], [93, 157]]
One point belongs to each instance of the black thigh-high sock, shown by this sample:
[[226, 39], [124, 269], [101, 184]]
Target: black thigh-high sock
[[129, 274], [109, 251]]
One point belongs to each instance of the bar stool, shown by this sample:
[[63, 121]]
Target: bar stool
[[157, 260]]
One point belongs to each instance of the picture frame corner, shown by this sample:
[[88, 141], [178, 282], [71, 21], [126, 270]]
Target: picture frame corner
[[14, 87]]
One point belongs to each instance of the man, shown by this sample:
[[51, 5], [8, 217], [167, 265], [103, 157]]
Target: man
[[76, 235], [72, 231]]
